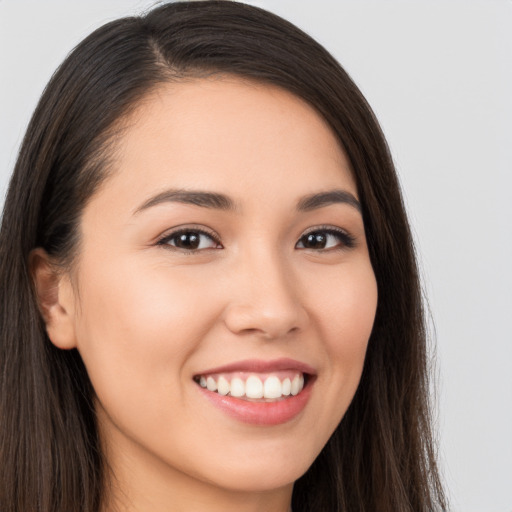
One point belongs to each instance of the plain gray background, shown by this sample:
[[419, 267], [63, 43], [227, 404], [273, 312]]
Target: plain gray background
[[438, 73]]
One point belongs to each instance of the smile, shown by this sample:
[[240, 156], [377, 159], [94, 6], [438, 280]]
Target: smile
[[258, 392], [250, 386]]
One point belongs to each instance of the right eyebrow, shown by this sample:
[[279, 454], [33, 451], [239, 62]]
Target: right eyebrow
[[195, 197], [321, 199]]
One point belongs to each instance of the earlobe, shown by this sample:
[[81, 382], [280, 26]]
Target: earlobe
[[55, 299]]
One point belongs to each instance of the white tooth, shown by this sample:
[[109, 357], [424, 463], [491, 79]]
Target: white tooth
[[272, 388], [301, 382], [211, 384], [202, 382], [253, 387], [295, 385], [223, 386], [287, 386], [237, 387]]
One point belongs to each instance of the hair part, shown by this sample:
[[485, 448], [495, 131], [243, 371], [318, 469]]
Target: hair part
[[381, 456]]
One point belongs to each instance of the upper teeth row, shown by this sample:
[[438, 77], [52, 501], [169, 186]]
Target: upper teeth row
[[254, 387]]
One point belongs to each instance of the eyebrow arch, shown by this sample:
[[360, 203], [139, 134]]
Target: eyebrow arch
[[321, 199], [194, 197]]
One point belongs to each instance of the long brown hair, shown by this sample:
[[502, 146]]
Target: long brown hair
[[381, 457]]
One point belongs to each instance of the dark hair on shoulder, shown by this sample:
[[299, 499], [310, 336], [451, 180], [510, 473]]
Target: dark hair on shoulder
[[381, 457]]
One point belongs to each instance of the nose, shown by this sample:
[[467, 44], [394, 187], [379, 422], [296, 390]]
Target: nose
[[265, 300]]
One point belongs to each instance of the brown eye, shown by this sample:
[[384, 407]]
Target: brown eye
[[314, 241], [324, 239], [190, 240]]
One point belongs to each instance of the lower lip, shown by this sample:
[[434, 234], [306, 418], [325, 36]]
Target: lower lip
[[261, 413]]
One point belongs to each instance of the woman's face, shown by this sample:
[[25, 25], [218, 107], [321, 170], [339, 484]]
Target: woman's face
[[226, 250]]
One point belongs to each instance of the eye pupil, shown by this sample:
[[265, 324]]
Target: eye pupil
[[315, 241], [188, 240]]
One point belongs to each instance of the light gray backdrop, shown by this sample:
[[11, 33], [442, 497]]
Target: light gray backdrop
[[439, 76]]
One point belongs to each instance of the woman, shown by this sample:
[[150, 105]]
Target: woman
[[209, 293]]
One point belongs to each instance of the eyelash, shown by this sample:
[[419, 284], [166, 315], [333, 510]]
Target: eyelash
[[346, 240], [164, 241]]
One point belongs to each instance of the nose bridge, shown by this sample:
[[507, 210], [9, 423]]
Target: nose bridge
[[266, 300]]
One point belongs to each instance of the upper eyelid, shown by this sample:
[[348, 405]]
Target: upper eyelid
[[315, 229], [329, 229], [189, 227], [211, 232]]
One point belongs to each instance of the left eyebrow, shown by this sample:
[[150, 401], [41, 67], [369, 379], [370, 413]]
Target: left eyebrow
[[194, 197], [321, 199]]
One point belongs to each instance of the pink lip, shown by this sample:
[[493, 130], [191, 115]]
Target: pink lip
[[260, 366], [262, 413]]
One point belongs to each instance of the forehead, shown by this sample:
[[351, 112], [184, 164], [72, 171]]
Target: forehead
[[228, 135]]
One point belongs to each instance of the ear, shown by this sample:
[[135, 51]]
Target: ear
[[55, 298]]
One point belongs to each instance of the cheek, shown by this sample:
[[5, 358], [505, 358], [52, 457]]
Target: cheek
[[345, 316], [137, 326], [347, 309]]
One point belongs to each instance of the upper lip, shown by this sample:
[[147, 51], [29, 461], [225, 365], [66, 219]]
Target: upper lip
[[262, 366]]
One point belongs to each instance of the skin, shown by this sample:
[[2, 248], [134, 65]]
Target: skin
[[147, 317]]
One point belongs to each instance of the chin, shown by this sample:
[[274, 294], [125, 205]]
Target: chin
[[259, 476]]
